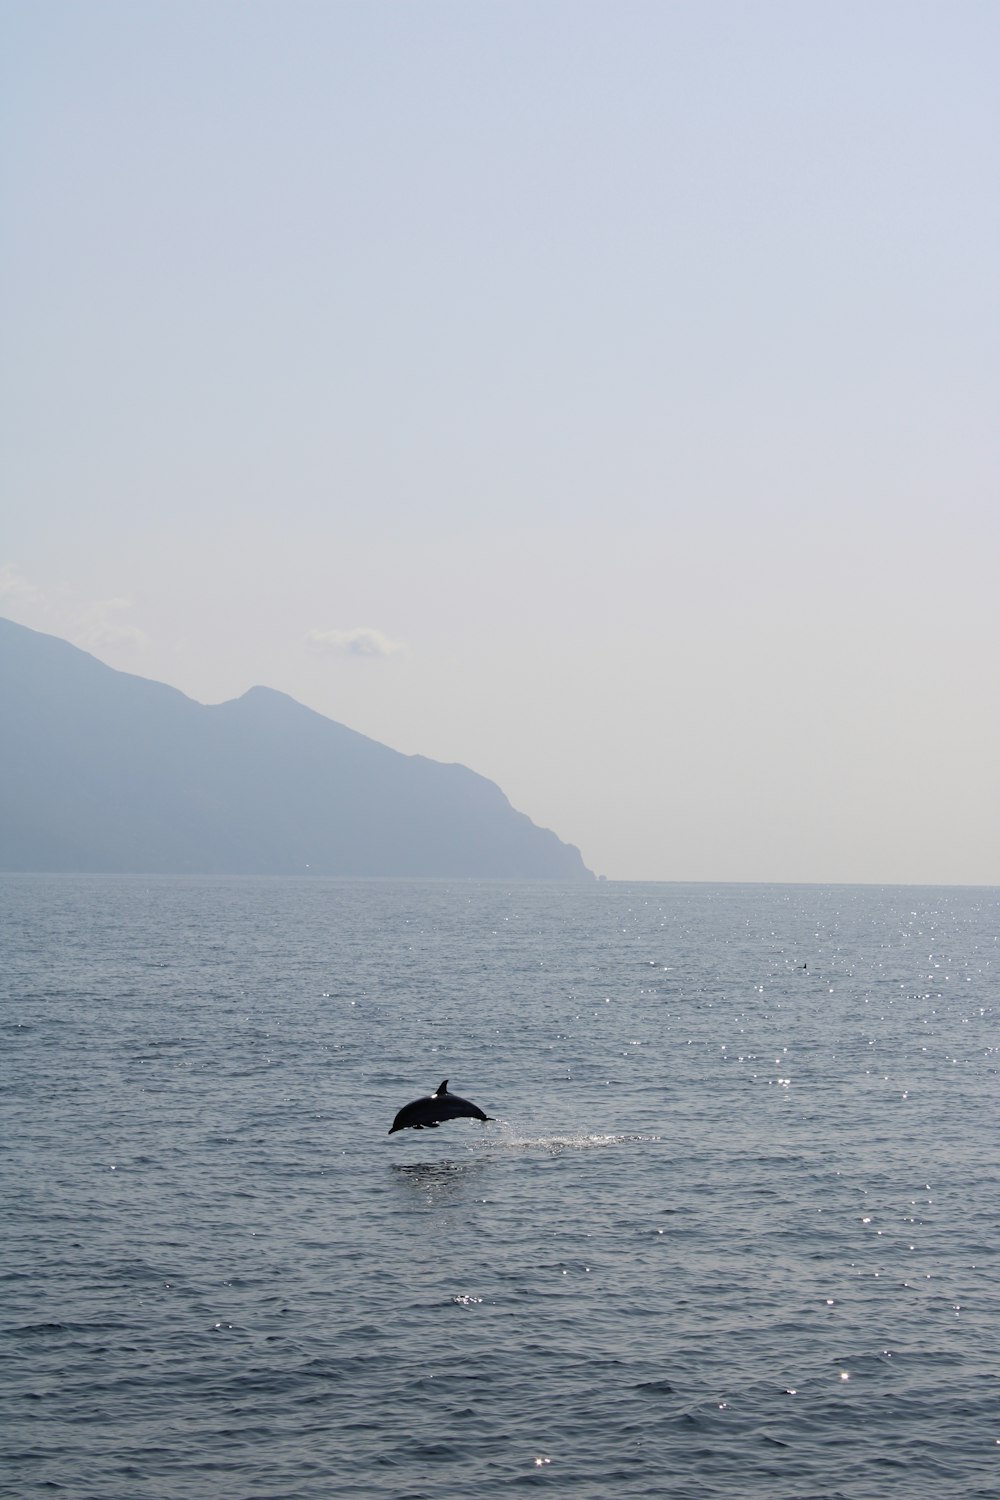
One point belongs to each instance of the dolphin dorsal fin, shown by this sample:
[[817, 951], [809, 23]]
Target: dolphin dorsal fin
[[442, 1090]]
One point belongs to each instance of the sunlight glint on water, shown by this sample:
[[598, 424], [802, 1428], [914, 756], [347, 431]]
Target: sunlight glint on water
[[732, 1234]]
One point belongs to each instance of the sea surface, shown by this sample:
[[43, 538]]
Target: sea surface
[[733, 1232]]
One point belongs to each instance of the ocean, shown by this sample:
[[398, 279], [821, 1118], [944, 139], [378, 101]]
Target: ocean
[[733, 1232]]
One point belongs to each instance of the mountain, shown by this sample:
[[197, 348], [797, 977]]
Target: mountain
[[103, 771]]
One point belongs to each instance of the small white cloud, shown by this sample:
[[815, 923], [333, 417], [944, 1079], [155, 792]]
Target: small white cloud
[[16, 591], [102, 626], [358, 640]]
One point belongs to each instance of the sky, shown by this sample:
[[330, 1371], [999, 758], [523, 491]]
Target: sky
[[601, 395]]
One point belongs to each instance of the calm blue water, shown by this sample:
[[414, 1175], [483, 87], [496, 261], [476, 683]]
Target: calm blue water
[[733, 1234]]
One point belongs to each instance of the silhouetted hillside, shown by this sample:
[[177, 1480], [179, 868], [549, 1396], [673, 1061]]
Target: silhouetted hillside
[[103, 771]]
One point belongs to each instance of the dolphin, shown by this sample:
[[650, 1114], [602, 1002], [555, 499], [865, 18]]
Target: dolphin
[[428, 1112]]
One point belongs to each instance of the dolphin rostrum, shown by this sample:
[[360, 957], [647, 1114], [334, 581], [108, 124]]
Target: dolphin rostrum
[[428, 1112]]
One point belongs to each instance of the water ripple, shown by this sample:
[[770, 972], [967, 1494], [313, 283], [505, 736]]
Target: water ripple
[[732, 1233]]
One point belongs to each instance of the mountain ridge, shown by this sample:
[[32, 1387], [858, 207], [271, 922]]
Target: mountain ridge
[[102, 770]]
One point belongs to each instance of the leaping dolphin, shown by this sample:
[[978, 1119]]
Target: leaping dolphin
[[427, 1113]]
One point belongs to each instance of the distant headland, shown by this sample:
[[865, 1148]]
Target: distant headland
[[102, 771]]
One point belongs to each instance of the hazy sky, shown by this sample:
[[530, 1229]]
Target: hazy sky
[[603, 395]]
